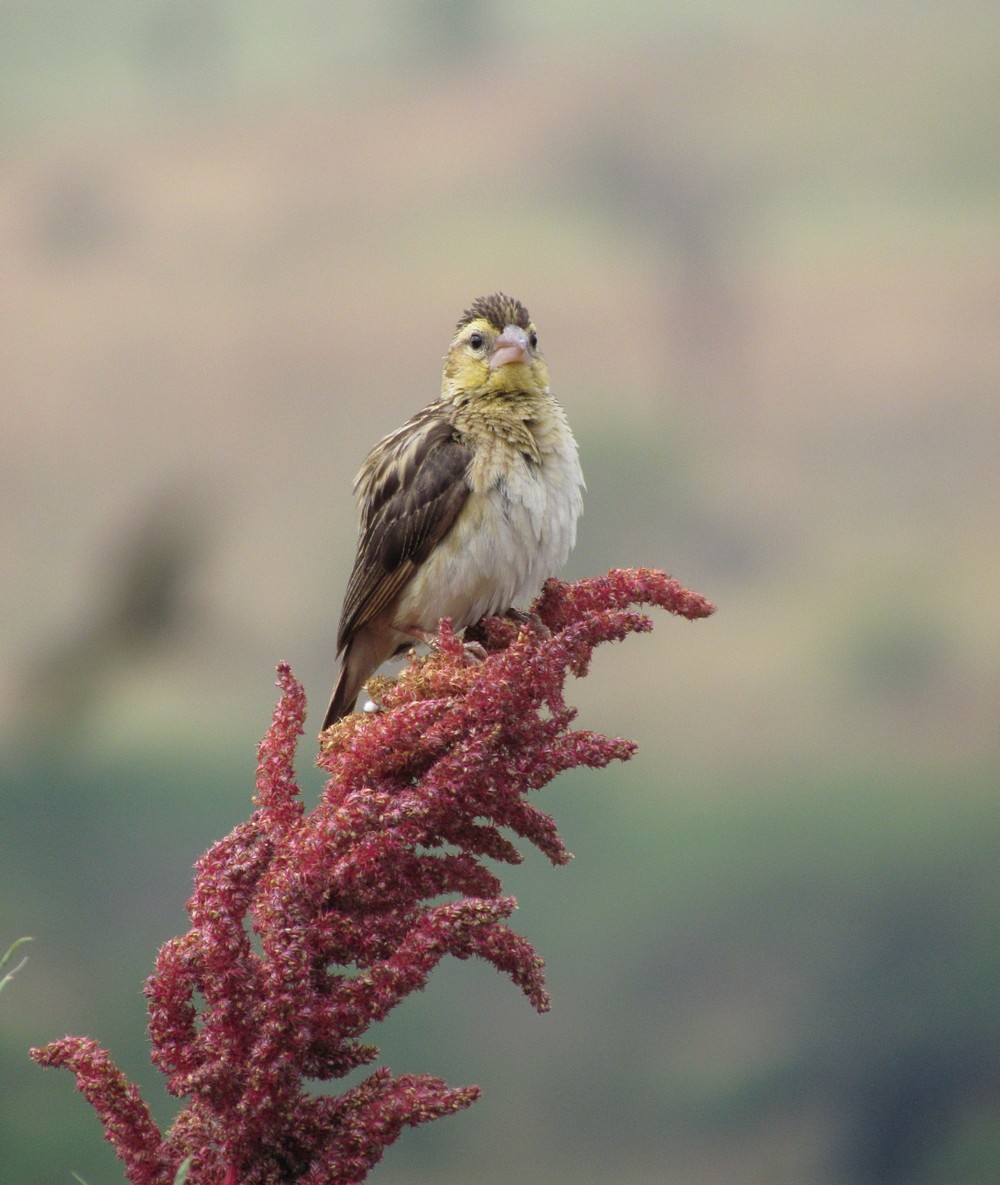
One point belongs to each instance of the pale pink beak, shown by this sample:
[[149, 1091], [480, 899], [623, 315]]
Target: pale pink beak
[[511, 346]]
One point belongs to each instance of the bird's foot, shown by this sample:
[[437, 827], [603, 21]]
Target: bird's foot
[[531, 620], [475, 652]]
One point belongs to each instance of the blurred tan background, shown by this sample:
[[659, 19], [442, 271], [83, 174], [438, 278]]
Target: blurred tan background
[[760, 244]]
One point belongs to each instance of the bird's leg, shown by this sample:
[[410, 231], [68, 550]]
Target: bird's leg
[[418, 635], [531, 620], [474, 652]]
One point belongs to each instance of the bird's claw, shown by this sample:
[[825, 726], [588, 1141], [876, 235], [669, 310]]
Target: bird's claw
[[531, 620], [475, 652]]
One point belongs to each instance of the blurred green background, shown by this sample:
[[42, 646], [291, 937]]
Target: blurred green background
[[760, 244]]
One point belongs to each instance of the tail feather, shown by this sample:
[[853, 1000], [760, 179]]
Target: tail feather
[[365, 652], [344, 695]]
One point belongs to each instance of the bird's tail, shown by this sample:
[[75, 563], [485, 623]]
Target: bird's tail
[[363, 655], [344, 695]]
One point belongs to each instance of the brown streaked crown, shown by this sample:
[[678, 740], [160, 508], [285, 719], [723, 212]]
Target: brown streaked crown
[[499, 310]]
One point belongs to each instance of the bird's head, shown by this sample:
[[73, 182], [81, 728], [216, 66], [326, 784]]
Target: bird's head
[[494, 352]]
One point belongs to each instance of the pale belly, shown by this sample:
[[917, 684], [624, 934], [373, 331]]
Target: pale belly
[[507, 541]]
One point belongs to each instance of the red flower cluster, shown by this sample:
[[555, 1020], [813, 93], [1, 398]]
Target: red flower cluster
[[308, 927]]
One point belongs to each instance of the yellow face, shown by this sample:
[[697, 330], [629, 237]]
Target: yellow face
[[486, 360]]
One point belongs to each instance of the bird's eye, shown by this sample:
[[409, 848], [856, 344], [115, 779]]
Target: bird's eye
[[533, 340], [476, 341]]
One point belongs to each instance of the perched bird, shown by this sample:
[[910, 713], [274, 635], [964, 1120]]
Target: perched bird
[[469, 507]]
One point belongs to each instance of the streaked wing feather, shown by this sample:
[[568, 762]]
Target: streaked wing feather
[[412, 487]]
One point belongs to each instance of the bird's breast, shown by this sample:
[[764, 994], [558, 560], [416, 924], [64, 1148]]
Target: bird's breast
[[516, 529]]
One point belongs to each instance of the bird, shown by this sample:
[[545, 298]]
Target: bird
[[466, 509]]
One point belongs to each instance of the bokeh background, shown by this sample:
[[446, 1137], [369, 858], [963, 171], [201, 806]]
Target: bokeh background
[[760, 243]]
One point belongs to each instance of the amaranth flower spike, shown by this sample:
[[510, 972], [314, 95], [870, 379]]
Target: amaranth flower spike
[[306, 927]]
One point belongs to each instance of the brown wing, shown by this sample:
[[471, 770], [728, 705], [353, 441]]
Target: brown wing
[[412, 487]]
